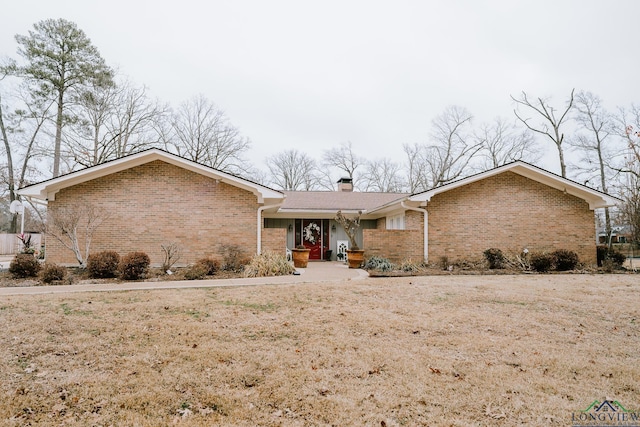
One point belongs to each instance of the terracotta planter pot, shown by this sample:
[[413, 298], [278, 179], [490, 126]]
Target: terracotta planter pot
[[355, 258], [300, 257]]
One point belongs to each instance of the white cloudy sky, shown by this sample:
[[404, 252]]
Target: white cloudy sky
[[309, 75]]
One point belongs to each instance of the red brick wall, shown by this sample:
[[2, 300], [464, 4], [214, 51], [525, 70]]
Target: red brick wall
[[509, 212], [158, 203]]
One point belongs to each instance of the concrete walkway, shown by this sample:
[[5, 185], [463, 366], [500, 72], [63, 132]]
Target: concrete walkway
[[316, 272]]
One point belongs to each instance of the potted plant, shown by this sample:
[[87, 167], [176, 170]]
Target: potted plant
[[355, 255], [300, 256]]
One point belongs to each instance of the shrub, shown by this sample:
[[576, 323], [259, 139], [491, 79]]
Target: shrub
[[103, 264], [209, 265], [134, 265], [268, 264], [53, 273], [378, 263], [233, 258], [541, 262], [171, 253], [196, 272], [24, 265], [409, 266], [495, 258], [614, 257], [565, 259]]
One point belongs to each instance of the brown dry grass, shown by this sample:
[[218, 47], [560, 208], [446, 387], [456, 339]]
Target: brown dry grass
[[437, 351]]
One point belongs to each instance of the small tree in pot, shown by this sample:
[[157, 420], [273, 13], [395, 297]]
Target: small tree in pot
[[355, 255]]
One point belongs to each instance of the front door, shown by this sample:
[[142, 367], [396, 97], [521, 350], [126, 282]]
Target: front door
[[314, 235]]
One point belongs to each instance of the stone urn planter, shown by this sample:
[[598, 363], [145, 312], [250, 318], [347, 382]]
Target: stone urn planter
[[355, 257], [300, 257]]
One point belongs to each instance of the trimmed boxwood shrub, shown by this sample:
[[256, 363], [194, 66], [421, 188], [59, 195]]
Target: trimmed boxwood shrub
[[541, 262], [134, 265], [103, 264], [24, 265], [564, 259], [495, 258], [53, 273]]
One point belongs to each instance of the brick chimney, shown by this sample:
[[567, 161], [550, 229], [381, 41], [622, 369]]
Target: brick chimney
[[345, 184]]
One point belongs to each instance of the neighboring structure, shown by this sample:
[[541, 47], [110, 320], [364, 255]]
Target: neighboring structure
[[620, 234], [154, 198]]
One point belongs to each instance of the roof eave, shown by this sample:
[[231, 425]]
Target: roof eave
[[594, 198], [48, 189]]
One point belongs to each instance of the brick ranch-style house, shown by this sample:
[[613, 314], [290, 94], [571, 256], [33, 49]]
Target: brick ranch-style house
[[154, 198]]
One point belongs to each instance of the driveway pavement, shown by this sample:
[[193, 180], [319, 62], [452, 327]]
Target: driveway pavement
[[316, 272]]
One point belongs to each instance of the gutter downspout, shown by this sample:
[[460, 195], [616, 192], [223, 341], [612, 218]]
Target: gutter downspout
[[259, 223], [425, 227]]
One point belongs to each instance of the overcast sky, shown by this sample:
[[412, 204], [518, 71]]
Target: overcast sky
[[309, 75]]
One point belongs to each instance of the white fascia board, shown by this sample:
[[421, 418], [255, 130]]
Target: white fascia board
[[594, 198], [47, 190], [389, 208], [314, 213]]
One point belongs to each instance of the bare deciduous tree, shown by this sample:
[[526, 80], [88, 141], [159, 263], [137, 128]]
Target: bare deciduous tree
[[20, 130], [630, 208], [201, 132], [417, 173], [343, 159], [550, 125], [134, 122], [628, 128], [74, 227], [503, 143], [448, 155], [383, 175], [292, 170], [594, 142], [112, 122]]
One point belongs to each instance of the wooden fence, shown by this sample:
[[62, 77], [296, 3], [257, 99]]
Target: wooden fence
[[10, 244]]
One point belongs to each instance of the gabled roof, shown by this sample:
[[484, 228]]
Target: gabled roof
[[47, 190], [314, 203], [595, 198]]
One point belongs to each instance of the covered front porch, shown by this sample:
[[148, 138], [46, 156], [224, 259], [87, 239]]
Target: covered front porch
[[325, 238]]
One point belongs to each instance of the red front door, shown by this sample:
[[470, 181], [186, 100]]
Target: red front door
[[315, 237]]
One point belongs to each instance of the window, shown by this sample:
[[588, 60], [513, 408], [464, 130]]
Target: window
[[395, 222]]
